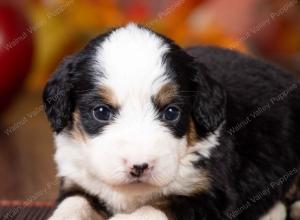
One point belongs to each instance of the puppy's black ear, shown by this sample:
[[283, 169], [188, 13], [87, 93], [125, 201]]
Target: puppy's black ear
[[209, 101], [57, 96]]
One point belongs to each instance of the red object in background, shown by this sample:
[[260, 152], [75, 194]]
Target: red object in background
[[16, 51], [137, 11]]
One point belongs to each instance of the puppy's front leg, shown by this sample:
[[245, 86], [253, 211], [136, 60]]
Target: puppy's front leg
[[278, 212], [75, 208], [143, 213]]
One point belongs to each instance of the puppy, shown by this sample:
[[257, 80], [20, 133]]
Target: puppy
[[146, 130]]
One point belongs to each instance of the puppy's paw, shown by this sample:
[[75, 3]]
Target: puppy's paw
[[278, 212], [63, 217], [120, 217], [144, 213], [75, 208], [75, 217], [295, 211]]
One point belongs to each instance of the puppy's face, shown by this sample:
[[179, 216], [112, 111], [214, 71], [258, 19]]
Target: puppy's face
[[126, 111]]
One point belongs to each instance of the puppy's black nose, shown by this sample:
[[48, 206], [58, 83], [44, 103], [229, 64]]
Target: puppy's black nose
[[138, 169]]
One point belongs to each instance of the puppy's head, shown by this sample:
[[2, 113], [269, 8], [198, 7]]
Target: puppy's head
[[129, 108]]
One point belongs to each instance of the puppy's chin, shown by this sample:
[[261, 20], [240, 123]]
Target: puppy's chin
[[136, 188], [140, 187]]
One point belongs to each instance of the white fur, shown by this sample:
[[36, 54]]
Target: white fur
[[131, 61], [75, 208], [144, 213], [295, 211], [278, 212]]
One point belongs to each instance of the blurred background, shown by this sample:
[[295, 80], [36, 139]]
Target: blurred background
[[36, 34]]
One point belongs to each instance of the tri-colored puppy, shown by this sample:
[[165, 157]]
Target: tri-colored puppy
[[146, 130]]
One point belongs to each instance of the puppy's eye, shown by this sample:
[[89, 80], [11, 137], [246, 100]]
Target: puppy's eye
[[171, 114], [103, 113]]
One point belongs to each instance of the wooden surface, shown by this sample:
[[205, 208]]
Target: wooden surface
[[34, 212], [27, 170]]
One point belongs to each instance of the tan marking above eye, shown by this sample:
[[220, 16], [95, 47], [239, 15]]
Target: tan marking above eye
[[166, 94], [109, 97]]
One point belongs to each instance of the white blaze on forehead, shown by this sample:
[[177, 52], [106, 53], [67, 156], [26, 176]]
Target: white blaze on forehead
[[131, 59]]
